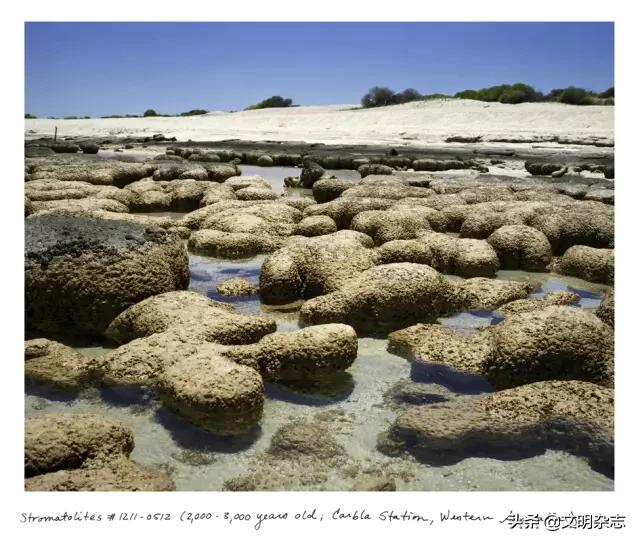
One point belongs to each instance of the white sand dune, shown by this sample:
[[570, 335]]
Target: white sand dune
[[415, 123]]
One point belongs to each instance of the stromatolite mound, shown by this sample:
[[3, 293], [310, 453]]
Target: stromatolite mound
[[556, 342], [309, 267], [308, 354], [191, 314], [52, 363], [119, 474], [236, 287], [385, 297], [80, 273], [552, 298], [588, 263], [606, 310], [56, 442], [516, 423], [213, 392], [521, 247]]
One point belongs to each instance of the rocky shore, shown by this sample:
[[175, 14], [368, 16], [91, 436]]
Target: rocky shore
[[422, 237]]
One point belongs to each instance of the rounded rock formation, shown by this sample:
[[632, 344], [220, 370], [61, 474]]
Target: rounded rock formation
[[80, 273]]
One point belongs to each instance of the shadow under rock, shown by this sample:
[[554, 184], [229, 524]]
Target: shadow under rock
[[191, 437], [458, 382], [322, 393]]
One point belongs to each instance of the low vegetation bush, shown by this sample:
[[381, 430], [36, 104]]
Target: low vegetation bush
[[383, 96], [150, 113], [272, 102]]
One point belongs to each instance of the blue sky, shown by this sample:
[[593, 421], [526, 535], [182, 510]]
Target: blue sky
[[106, 68]]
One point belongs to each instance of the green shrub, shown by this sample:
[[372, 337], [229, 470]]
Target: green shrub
[[29, 116], [377, 96], [272, 102], [193, 112], [408, 95], [150, 113], [576, 96], [607, 94]]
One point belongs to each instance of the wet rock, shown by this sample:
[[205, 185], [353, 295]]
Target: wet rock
[[408, 392], [309, 267], [217, 193], [304, 438], [213, 393], [606, 310], [242, 182], [327, 189], [236, 287], [600, 195], [192, 313], [542, 168], [232, 245], [119, 474], [80, 273], [557, 342], [433, 165], [67, 441], [46, 190], [51, 363], [304, 355], [265, 160], [89, 148], [311, 173], [487, 293], [521, 247], [33, 151], [316, 226], [65, 148], [385, 297], [569, 415], [553, 298], [369, 169], [205, 157], [591, 264], [97, 172]]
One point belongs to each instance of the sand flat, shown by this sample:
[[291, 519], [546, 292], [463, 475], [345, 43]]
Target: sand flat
[[416, 123]]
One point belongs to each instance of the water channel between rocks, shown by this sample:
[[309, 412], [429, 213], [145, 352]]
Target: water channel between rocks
[[358, 409]]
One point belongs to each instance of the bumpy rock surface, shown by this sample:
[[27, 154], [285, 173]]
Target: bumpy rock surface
[[589, 263], [97, 172], [119, 474], [213, 393], [521, 422], [236, 287], [307, 354], [316, 226], [56, 442], [80, 273], [385, 297], [232, 245], [582, 226], [52, 363], [192, 314], [553, 343], [553, 298], [343, 210], [397, 224], [487, 294], [606, 310], [309, 267], [521, 247], [327, 189], [461, 256]]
